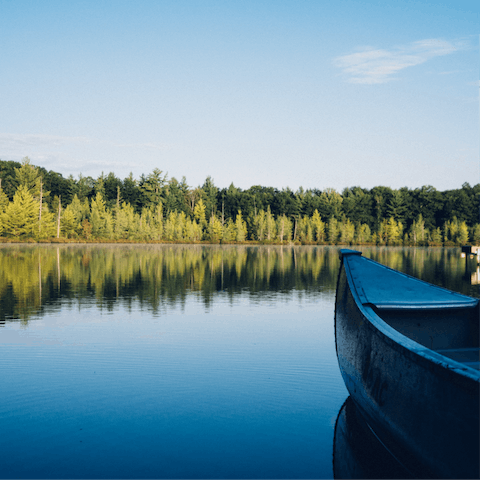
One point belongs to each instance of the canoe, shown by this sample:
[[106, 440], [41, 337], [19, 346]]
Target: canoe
[[408, 352]]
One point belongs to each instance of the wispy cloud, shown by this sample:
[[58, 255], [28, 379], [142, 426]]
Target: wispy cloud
[[18, 140], [14, 141], [374, 66]]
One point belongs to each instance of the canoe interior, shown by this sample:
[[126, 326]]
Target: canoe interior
[[453, 333]]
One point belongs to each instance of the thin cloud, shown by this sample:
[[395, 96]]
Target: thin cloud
[[16, 140], [152, 146], [373, 66]]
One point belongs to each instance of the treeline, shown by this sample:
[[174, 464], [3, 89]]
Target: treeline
[[38, 204]]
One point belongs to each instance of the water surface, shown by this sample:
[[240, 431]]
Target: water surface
[[177, 361]]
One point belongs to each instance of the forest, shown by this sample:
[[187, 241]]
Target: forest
[[37, 205]]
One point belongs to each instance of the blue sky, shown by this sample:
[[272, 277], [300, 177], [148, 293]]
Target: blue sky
[[317, 94]]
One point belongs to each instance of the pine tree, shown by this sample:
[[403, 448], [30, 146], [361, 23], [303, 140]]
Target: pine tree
[[347, 231], [199, 213], [214, 230], [241, 228], [3, 205], [394, 232], [270, 225], [28, 176], [363, 233], [229, 232], [476, 234], [48, 223], [436, 236], [20, 218], [332, 230], [69, 228], [318, 227], [75, 213], [462, 233], [170, 226], [3, 199], [259, 226], [100, 219]]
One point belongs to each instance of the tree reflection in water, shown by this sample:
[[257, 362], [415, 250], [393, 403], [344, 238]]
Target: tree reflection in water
[[34, 279]]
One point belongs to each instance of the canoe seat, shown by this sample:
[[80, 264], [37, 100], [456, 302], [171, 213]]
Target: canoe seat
[[467, 356]]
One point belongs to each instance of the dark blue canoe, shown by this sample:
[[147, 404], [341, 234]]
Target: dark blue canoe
[[409, 355]]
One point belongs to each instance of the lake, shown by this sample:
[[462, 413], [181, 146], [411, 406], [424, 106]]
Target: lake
[[164, 361]]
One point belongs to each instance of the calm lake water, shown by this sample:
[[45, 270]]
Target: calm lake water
[[178, 361]]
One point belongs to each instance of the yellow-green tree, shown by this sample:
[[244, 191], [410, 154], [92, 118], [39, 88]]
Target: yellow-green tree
[[418, 232], [284, 228], [229, 232], [462, 238], [271, 230], [241, 228], [170, 226], [259, 226], [318, 227], [3, 205], [47, 223], [394, 232], [332, 230], [28, 176], [199, 213], [214, 230], [20, 217], [100, 219], [347, 231], [364, 233]]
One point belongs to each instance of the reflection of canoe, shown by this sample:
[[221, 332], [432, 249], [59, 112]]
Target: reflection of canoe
[[409, 355], [357, 452]]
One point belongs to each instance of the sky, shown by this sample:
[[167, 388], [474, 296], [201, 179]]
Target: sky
[[285, 93]]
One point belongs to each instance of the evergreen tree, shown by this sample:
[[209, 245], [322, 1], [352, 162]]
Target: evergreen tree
[[332, 230], [318, 227], [436, 236], [3, 199], [78, 211], [363, 233], [210, 195], [396, 206], [476, 234], [394, 232], [101, 220], [20, 218], [241, 228], [199, 213], [48, 227], [462, 233], [229, 231], [28, 176], [152, 186], [259, 226], [170, 226], [270, 225], [214, 230], [69, 226], [347, 231]]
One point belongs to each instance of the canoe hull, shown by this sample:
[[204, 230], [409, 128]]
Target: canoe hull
[[425, 414]]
